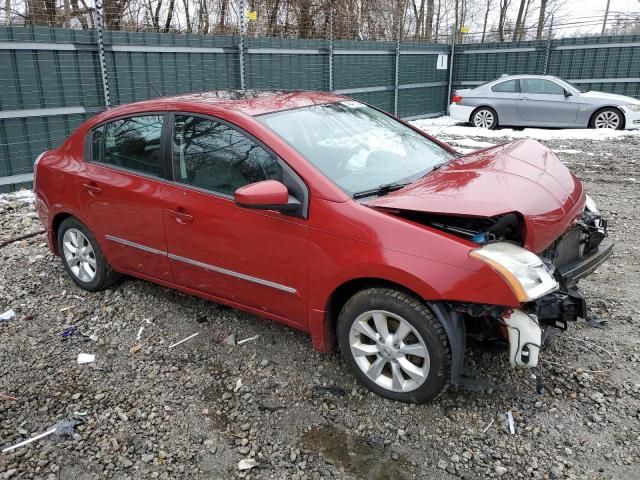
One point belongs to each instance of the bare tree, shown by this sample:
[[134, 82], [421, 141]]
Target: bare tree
[[504, 7], [541, 19]]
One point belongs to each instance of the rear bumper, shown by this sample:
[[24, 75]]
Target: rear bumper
[[586, 264], [460, 112]]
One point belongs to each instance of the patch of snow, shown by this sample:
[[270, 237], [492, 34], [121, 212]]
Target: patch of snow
[[465, 150], [19, 196], [440, 126], [470, 142], [567, 150]]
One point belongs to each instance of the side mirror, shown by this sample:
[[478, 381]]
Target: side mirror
[[266, 195], [567, 93]]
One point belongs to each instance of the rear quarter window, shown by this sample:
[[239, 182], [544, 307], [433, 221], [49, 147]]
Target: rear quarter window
[[510, 86]]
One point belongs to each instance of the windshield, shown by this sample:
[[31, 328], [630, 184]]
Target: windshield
[[356, 146]]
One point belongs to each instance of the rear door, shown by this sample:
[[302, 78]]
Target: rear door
[[254, 258], [544, 102], [504, 99], [120, 190]]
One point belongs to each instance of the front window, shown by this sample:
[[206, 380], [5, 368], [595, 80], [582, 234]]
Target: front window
[[356, 146], [216, 157]]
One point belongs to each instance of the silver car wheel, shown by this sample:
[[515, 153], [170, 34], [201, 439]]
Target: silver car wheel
[[389, 351], [79, 255], [607, 119], [483, 119]]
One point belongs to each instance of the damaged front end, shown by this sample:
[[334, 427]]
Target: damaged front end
[[545, 284]]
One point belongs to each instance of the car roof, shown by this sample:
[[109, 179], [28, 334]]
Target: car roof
[[512, 77], [250, 102]]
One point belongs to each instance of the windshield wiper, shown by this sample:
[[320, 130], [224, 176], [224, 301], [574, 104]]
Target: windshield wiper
[[381, 190]]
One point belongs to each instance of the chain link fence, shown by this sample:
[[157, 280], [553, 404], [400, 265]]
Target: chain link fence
[[62, 61]]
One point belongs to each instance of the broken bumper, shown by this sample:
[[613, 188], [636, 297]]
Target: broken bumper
[[586, 264]]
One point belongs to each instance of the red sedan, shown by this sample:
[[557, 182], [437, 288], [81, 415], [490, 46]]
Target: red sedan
[[332, 217]]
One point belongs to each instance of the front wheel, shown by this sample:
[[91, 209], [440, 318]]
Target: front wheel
[[485, 117], [395, 346], [610, 118]]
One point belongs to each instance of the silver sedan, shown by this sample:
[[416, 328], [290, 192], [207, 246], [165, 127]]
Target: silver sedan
[[542, 101]]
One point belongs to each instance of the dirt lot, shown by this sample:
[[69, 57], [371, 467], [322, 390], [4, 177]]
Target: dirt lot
[[196, 410]]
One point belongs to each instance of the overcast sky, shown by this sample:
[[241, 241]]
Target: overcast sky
[[581, 9]]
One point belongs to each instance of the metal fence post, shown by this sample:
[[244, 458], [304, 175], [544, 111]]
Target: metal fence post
[[397, 79], [331, 50], [101, 56], [241, 45], [547, 54], [453, 51]]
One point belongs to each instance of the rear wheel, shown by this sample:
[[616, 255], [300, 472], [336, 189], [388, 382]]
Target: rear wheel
[[82, 258], [395, 346], [610, 118], [485, 117]]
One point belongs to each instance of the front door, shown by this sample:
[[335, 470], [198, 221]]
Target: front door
[[253, 258], [120, 193], [543, 101]]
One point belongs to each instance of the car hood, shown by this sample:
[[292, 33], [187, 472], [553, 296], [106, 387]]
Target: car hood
[[610, 97], [524, 177]]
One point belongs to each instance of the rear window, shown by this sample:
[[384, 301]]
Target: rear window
[[538, 86], [510, 86], [132, 143]]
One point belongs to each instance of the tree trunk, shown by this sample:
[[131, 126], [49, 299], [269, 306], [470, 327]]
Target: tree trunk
[[167, 24], [606, 16], [428, 22], [504, 6], [519, 21], [437, 29], [541, 19], [419, 13], [272, 25], [156, 16], [486, 19]]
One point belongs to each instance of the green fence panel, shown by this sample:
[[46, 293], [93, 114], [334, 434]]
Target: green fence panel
[[424, 101]]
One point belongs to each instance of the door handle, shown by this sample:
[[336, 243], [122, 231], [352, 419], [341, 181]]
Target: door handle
[[181, 215], [92, 188]]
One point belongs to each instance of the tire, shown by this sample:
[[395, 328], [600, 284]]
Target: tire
[[485, 117], [88, 269], [610, 118], [411, 378]]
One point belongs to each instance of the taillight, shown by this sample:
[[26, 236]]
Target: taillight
[[456, 98], [35, 168]]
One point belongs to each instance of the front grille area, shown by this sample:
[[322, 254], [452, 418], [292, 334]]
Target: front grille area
[[567, 248]]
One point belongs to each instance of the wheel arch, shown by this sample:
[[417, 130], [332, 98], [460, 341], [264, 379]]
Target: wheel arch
[[490, 107], [606, 107], [451, 321], [56, 221]]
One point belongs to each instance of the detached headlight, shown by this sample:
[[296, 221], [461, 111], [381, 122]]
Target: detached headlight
[[590, 205], [633, 107], [523, 270]]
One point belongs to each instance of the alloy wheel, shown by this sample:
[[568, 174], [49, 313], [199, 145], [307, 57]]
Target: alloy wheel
[[607, 119], [79, 255], [389, 351], [483, 119]]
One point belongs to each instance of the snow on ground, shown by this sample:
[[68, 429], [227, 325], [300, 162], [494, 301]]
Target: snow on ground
[[470, 142], [443, 126], [20, 195]]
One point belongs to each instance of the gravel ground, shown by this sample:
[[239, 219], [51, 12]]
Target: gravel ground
[[196, 410]]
